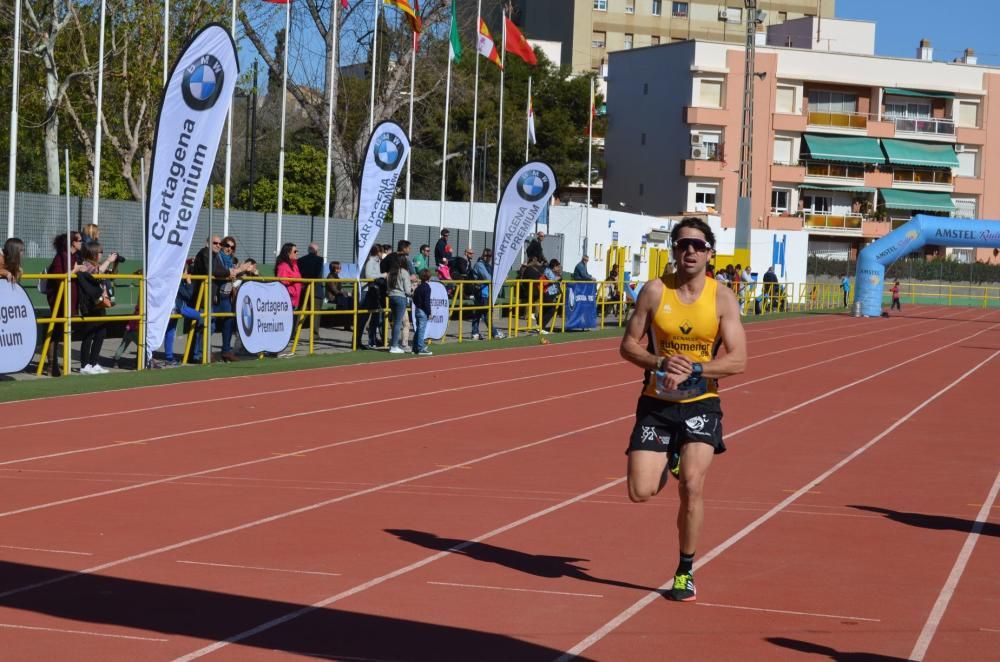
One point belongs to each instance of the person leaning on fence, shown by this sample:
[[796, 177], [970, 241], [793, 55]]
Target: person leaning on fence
[[93, 302], [183, 306], [770, 290], [580, 271], [10, 260], [371, 301], [286, 267], [483, 271], [400, 290], [550, 293], [422, 304], [52, 287], [311, 266]]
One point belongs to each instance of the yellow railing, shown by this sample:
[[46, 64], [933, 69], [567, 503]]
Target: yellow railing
[[979, 296], [838, 120]]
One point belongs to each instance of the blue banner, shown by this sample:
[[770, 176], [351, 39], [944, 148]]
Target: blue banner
[[581, 306]]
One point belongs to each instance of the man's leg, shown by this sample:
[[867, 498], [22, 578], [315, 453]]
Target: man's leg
[[647, 474], [695, 460]]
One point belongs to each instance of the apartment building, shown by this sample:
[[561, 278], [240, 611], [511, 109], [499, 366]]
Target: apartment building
[[846, 146], [591, 29]]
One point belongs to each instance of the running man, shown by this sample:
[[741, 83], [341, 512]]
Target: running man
[[679, 322]]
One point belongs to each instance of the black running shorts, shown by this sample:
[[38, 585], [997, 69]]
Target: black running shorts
[[666, 426]]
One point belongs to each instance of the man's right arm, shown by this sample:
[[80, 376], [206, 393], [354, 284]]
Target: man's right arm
[[633, 348]]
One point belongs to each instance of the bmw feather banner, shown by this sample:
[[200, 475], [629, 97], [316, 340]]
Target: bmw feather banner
[[387, 151], [192, 113], [524, 199]]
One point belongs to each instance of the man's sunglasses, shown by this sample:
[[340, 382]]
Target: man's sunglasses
[[699, 245]]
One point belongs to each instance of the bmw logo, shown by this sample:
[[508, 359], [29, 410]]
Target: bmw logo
[[533, 185], [571, 298], [202, 83], [388, 151], [246, 316]]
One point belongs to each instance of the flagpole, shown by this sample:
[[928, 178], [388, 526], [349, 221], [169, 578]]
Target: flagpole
[[590, 162], [409, 136], [12, 159], [331, 82], [444, 146], [229, 134], [166, 40], [527, 123], [284, 99], [475, 118], [98, 131], [371, 104], [503, 68]]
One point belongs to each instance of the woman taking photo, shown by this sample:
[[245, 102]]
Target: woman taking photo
[[52, 287], [287, 266], [93, 302]]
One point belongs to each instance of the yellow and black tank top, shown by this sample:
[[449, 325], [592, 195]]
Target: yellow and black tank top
[[691, 329]]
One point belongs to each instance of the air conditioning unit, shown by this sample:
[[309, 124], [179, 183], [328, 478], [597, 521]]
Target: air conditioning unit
[[699, 152], [695, 139]]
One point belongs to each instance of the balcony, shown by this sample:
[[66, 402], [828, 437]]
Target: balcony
[[872, 229], [704, 167], [710, 116], [847, 122], [922, 179], [780, 220], [925, 127], [788, 173], [819, 172], [827, 223], [788, 122], [969, 185]]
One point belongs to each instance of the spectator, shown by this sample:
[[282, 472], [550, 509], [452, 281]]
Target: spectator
[[770, 289], [895, 297], [286, 267], [747, 276], [423, 259], [422, 303], [93, 302], [442, 249], [535, 251], [339, 296], [403, 247], [738, 285], [553, 274], [58, 265], [129, 337], [10, 260], [224, 270], [722, 277], [400, 289], [483, 271], [444, 271], [580, 271], [845, 285], [184, 306], [91, 233], [373, 300], [311, 267]]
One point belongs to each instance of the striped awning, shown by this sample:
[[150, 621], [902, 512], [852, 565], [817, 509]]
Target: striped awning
[[843, 149], [916, 200]]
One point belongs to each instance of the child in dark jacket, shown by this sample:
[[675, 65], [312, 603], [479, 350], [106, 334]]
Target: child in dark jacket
[[422, 304]]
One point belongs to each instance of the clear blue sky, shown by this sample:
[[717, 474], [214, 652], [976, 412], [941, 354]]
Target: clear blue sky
[[951, 25]]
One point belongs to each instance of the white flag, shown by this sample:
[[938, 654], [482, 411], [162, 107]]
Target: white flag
[[192, 113], [387, 152], [524, 198], [531, 122]]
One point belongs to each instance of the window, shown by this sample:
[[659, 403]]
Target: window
[[599, 39], [964, 207], [832, 102], [710, 93], [657, 7], [968, 114], [785, 101], [783, 151], [629, 6], [709, 142], [817, 203], [782, 16], [967, 163], [601, 5], [679, 10], [628, 41], [734, 15], [706, 197], [655, 40], [915, 110], [781, 199]]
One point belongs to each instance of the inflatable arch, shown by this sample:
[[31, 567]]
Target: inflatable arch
[[922, 229]]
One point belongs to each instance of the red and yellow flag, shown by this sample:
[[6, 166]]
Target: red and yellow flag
[[517, 44], [485, 45], [412, 11]]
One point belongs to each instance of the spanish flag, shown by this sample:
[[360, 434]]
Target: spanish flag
[[412, 11], [486, 47], [517, 44]]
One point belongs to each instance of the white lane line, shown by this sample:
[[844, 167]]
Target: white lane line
[[263, 627], [49, 551], [12, 626], [292, 389], [517, 590], [790, 612], [254, 567], [639, 605], [285, 417], [988, 630], [346, 442], [321, 504], [948, 590]]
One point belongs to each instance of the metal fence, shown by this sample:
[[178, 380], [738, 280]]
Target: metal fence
[[39, 217]]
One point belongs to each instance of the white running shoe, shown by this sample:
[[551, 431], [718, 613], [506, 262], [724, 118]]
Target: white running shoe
[[499, 335], [476, 336], [426, 352], [99, 369], [396, 350], [543, 332], [87, 370]]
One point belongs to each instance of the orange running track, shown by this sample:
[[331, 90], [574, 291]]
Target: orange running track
[[472, 507]]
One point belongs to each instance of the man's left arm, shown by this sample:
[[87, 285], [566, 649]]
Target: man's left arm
[[734, 338]]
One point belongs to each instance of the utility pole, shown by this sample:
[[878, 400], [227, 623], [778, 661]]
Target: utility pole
[[743, 204]]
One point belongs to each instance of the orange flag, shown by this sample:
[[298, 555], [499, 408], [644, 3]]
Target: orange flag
[[517, 44]]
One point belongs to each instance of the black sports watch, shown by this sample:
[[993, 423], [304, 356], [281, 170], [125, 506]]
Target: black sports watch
[[659, 363], [697, 369]]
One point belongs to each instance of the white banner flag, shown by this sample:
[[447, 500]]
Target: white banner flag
[[192, 113], [265, 316], [18, 333], [437, 323], [388, 149], [524, 198]]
